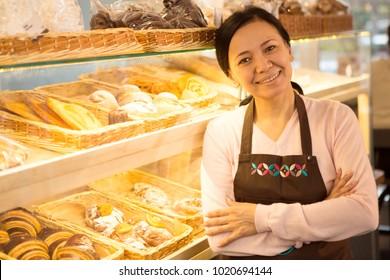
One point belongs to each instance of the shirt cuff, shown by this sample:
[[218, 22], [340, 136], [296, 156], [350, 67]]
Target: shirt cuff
[[261, 218]]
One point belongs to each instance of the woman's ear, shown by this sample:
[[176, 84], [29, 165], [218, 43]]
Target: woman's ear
[[235, 83], [292, 58]]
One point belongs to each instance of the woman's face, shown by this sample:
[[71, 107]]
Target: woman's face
[[260, 60]]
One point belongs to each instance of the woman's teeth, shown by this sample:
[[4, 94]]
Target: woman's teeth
[[269, 79]]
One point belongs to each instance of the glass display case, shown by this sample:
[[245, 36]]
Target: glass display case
[[333, 67]]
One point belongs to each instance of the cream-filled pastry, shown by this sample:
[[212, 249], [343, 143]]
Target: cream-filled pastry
[[103, 218]]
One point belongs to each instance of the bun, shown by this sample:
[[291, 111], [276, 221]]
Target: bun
[[104, 99], [166, 95], [130, 95]]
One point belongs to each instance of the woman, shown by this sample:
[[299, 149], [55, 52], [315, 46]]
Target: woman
[[272, 183]]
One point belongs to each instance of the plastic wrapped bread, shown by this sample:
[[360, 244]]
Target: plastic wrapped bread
[[34, 17], [11, 153]]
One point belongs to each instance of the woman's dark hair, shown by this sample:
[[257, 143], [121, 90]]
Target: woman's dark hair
[[239, 18], [388, 36]]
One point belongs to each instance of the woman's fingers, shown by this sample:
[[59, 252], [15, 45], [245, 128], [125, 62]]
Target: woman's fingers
[[342, 185]]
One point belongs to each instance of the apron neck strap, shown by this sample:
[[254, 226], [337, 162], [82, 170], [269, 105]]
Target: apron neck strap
[[247, 131]]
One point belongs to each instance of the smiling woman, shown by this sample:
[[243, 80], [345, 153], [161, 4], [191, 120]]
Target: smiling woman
[[284, 176]]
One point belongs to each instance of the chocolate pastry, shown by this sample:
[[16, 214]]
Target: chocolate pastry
[[291, 7], [141, 19], [181, 21], [187, 9], [101, 20], [27, 248], [78, 247]]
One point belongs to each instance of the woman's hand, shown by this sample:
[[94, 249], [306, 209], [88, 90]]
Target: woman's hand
[[238, 219], [342, 186]]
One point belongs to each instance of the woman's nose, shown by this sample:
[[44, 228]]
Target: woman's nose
[[262, 64]]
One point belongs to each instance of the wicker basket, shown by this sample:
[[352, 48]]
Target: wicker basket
[[68, 45], [59, 139], [79, 91], [121, 185], [159, 40], [299, 26], [69, 213], [336, 23], [118, 76]]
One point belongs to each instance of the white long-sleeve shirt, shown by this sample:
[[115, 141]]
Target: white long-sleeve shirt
[[337, 143]]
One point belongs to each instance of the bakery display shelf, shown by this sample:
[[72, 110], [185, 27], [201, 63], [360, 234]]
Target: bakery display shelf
[[33, 182], [99, 59]]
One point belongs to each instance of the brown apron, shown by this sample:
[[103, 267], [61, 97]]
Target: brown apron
[[267, 179]]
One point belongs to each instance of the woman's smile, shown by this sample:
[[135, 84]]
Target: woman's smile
[[268, 80]]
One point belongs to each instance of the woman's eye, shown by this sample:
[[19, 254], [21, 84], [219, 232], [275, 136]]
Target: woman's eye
[[244, 60], [270, 48]]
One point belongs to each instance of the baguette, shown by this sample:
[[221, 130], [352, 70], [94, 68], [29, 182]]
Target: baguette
[[76, 116]]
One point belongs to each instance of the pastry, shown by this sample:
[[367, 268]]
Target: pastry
[[4, 239], [130, 95], [138, 108], [291, 7], [188, 206], [105, 221], [76, 116], [46, 114], [78, 247], [117, 116], [153, 236], [103, 99], [19, 222], [187, 9], [150, 194], [27, 248], [192, 83], [188, 94], [101, 20], [165, 86], [166, 95], [167, 104], [54, 239], [21, 109], [11, 153], [144, 83]]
